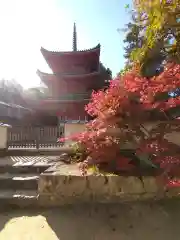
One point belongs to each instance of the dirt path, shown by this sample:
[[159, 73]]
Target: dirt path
[[107, 222]]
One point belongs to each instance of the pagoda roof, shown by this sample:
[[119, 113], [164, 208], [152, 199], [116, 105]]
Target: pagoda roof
[[46, 77], [59, 61], [78, 52]]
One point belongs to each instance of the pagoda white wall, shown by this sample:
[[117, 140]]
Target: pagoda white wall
[[3, 137], [72, 129]]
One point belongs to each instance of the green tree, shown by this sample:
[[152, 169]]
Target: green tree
[[161, 19], [134, 40]]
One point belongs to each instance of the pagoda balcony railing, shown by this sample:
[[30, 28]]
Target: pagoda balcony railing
[[77, 96], [77, 72]]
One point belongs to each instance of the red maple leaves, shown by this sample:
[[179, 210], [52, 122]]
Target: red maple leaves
[[121, 116]]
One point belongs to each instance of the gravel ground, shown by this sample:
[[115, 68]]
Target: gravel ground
[[155, 221]]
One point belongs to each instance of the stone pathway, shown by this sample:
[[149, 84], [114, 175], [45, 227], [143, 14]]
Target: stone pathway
[[147, 221]]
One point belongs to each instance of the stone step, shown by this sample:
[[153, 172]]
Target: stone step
[[26, 164], [23, 169], [18, 181], [20, 198]]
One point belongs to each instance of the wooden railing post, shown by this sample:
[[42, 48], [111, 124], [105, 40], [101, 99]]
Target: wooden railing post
[[37, 137]]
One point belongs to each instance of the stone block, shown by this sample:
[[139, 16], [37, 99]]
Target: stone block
[[67, 186], [151, 185], [130, 185]]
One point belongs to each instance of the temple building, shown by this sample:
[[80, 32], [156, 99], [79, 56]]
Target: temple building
[[75, 74]]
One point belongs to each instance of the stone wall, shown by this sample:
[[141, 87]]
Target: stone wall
[[68, 186]]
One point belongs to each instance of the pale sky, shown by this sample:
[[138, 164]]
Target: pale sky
[[26, 25]]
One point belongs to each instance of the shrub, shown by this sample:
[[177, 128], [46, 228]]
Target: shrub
[[122, 114]]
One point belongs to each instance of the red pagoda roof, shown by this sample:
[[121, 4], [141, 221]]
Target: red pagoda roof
[[71, 83], [78, 52], [46, 77], [64, 62]]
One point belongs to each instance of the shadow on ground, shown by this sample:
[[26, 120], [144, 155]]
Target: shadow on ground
[[115, 222], [150, 221]]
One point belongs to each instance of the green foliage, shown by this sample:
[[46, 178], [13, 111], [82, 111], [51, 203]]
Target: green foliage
[[160, 21], [78, 153], [134, 40], [124, 70]]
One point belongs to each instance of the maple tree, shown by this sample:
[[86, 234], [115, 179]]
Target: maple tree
[[131, 122]]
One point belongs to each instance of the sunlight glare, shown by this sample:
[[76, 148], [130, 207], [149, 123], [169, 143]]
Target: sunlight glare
[[25, 27]]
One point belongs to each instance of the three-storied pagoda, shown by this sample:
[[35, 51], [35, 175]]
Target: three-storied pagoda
[[75, 74]]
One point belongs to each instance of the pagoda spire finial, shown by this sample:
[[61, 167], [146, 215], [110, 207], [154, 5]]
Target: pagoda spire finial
[[74, 38]]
